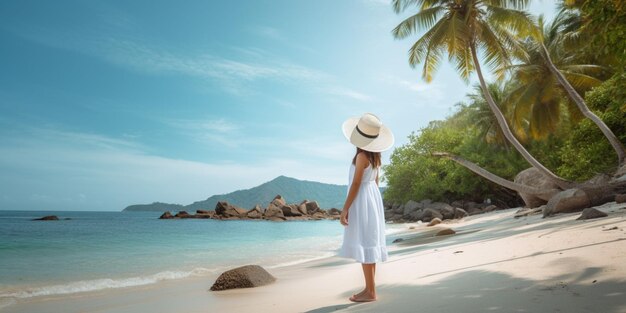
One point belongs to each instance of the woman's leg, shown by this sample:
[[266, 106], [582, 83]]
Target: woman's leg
[[369, 294]]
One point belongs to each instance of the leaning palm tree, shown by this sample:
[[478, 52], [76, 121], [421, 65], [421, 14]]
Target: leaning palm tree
[[539, 96], [543, 47], [460, 28]]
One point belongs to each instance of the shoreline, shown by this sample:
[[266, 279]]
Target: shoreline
[[494, 263]]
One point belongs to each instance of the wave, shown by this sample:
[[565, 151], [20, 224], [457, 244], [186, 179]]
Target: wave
[[99, 284]]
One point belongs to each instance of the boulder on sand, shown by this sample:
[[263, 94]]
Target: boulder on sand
[[620, 198], [533, 178], [570, 200], [434, 222], [445, 232], [590, 213], [243, 277]]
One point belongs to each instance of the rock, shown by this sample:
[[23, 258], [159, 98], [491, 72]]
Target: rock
[[434, 222], [410, 207], [225, 209], [398, 240], [474, 211], [47, 218], [334, 211], [590, 213], [289, 210], [182, 214], [279, 201], [273, 211], [620, 198], [166, 216], [569, 200], [415, 216], [302, 209], [277, 219], [438, 206], [398, 208], [429, 214], [243, 277], [460, 213], [318, 215], [256, 212], [532, 177], [205, 214], [447, 212], [445, 232], [312, 207], [489, 208]]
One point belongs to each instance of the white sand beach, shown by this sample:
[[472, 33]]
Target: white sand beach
[[494, 263]]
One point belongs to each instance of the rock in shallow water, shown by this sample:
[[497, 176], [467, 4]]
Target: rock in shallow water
[[243, 277], [47, 218]]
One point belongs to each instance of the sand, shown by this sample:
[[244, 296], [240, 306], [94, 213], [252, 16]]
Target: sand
[[494, 263]]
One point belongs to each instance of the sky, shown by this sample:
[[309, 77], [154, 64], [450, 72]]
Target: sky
[[104, 104]]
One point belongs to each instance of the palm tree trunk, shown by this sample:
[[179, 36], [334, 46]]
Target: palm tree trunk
[[507, 131], [540, 193], [582, 106]]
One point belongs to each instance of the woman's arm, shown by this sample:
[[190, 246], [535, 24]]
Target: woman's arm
[[361, 164]]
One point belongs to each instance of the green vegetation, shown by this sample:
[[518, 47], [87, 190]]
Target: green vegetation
[[550, 81]]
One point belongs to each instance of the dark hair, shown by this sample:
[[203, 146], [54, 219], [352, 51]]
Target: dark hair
[[373, 157]]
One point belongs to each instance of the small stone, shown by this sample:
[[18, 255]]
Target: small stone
[[434, 221], [445, 232]]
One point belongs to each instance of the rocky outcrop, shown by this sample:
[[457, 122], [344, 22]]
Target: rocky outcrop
[[47, 218], [277, 210], [620, 198], [591, 213], [426, 210], [248, 276], [533, 178]]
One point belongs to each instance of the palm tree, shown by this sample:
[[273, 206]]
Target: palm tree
[[562, 78], [460, 28], [539, 96], [483, 119]]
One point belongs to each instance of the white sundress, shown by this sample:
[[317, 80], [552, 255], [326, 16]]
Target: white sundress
[[364, 237]]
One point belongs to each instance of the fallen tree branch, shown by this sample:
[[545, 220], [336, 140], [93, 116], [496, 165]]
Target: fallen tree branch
[[545, 194]]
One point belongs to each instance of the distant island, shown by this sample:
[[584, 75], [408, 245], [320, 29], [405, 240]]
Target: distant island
[[327, 196]]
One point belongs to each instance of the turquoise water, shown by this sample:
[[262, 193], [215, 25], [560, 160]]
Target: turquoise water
[[100, 250]]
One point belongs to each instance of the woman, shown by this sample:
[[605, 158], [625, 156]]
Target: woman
[[363, 213]]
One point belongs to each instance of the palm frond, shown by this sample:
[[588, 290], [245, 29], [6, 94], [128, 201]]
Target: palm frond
[[425, 19]]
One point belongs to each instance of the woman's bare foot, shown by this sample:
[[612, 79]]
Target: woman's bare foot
[[363, 296]]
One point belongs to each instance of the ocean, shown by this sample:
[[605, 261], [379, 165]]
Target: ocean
[[101, 250]]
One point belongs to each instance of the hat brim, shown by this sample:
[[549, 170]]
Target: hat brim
[[383, 142]]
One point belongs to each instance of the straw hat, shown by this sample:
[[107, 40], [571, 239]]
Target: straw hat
[[368, 133]]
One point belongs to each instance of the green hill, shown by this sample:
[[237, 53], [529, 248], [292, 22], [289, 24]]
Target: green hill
[[293, 190]]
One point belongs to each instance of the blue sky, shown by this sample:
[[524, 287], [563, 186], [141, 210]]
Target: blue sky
[[109, 103]]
